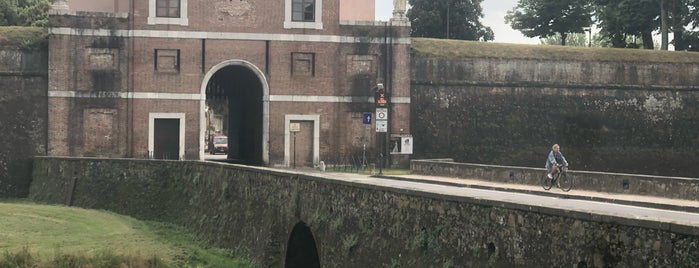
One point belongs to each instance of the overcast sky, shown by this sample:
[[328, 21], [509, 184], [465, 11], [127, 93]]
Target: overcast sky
[[494, 17]]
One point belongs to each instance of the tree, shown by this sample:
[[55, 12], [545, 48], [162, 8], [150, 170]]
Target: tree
[[621, 18], [544, 18], [35, 13], [572, 40], [8, 12], [24, 12], [450, 19], [663, 25], [683, 13]]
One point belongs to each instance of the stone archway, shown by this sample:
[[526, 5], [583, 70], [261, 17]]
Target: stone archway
[[244, 90], [301, 250]]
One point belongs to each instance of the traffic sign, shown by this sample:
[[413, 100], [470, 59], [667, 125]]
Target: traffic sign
[[366, 118], [381, 114], [381, 98], [381, 125]]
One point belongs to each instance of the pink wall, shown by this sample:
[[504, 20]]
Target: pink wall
[[355, 10], [358, 10], [99, 5]]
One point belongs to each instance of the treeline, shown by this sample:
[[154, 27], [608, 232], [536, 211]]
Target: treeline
[[24, 13], [620, 23]]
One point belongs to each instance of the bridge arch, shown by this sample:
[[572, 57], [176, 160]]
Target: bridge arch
[[245, 90], [301, 250]]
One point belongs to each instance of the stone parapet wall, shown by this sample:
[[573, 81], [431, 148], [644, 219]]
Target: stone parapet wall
[[355, 224], [23, 115], [658, 186]]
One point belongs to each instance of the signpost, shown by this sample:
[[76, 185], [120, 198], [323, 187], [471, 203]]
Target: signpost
[[295, 128], [381, 102]]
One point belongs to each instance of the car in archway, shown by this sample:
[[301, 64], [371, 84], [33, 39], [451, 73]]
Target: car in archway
[[219, 144]]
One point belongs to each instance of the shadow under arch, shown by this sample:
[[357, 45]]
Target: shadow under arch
[[301, 250], [233, 79]]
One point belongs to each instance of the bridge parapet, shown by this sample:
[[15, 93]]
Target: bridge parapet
[[348, 220], [633, 184]]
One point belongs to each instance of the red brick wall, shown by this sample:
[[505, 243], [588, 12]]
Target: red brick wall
[[341, 70]]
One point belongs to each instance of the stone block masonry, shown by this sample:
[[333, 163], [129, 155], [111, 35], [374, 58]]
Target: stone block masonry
[[23, 117], [623, 117], [254, 211]]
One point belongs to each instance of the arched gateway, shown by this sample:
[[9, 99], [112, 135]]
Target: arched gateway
[[243, 91], [143, 79]]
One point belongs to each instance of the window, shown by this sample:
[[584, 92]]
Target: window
[[173, 12], [303, 64], [168, 8], [304, 14], [167, 60], [303, 10]]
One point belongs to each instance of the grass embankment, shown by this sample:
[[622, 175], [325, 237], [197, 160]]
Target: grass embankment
[[460, 48], [33, 235], [18, 37]]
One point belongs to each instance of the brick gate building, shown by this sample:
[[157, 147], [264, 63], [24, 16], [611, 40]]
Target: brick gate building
[[139, 79]]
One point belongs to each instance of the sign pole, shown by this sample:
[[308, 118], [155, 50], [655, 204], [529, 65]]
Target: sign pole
[[294, 128], [381, 144], [381, 100]]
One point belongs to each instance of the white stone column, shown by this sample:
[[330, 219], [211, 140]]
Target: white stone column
[[59, 7], [399, 10]]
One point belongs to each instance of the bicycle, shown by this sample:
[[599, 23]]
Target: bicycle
[[560, 177]]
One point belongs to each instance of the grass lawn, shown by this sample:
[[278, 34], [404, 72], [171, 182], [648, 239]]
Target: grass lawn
[[19, 37], [49, 233], [460, 48]]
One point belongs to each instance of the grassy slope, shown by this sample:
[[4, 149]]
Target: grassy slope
[[50, 230], [17, 37], [460, 48]]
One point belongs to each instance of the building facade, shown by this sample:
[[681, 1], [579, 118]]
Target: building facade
[[293, 78]]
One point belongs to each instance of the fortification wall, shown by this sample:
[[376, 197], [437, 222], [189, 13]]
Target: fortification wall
[[639, 185], [353, 224], [611, 116], [23, 115]]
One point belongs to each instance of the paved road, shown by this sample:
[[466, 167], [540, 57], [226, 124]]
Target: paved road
[[532, 200], [209, 157]]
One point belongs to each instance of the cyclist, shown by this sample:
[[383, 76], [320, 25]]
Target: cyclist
[[554, 160]]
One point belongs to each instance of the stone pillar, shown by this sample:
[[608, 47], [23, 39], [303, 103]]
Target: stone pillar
[[59, 7], [399, 10]]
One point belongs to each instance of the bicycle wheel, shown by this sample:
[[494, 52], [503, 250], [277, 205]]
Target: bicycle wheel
[[546, 182], [566, 181]]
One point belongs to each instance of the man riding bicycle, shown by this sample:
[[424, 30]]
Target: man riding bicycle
[[555, 160]]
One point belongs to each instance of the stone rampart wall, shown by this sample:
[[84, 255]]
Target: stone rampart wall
[[353, 224], [23, 115], [626, 117]]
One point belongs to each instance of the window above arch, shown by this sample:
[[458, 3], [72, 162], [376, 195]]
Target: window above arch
[[304, 14], [167, 12]]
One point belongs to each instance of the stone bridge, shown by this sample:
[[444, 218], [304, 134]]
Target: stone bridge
[[280, 218]]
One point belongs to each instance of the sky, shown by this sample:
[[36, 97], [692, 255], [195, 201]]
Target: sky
[[493, 16]]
